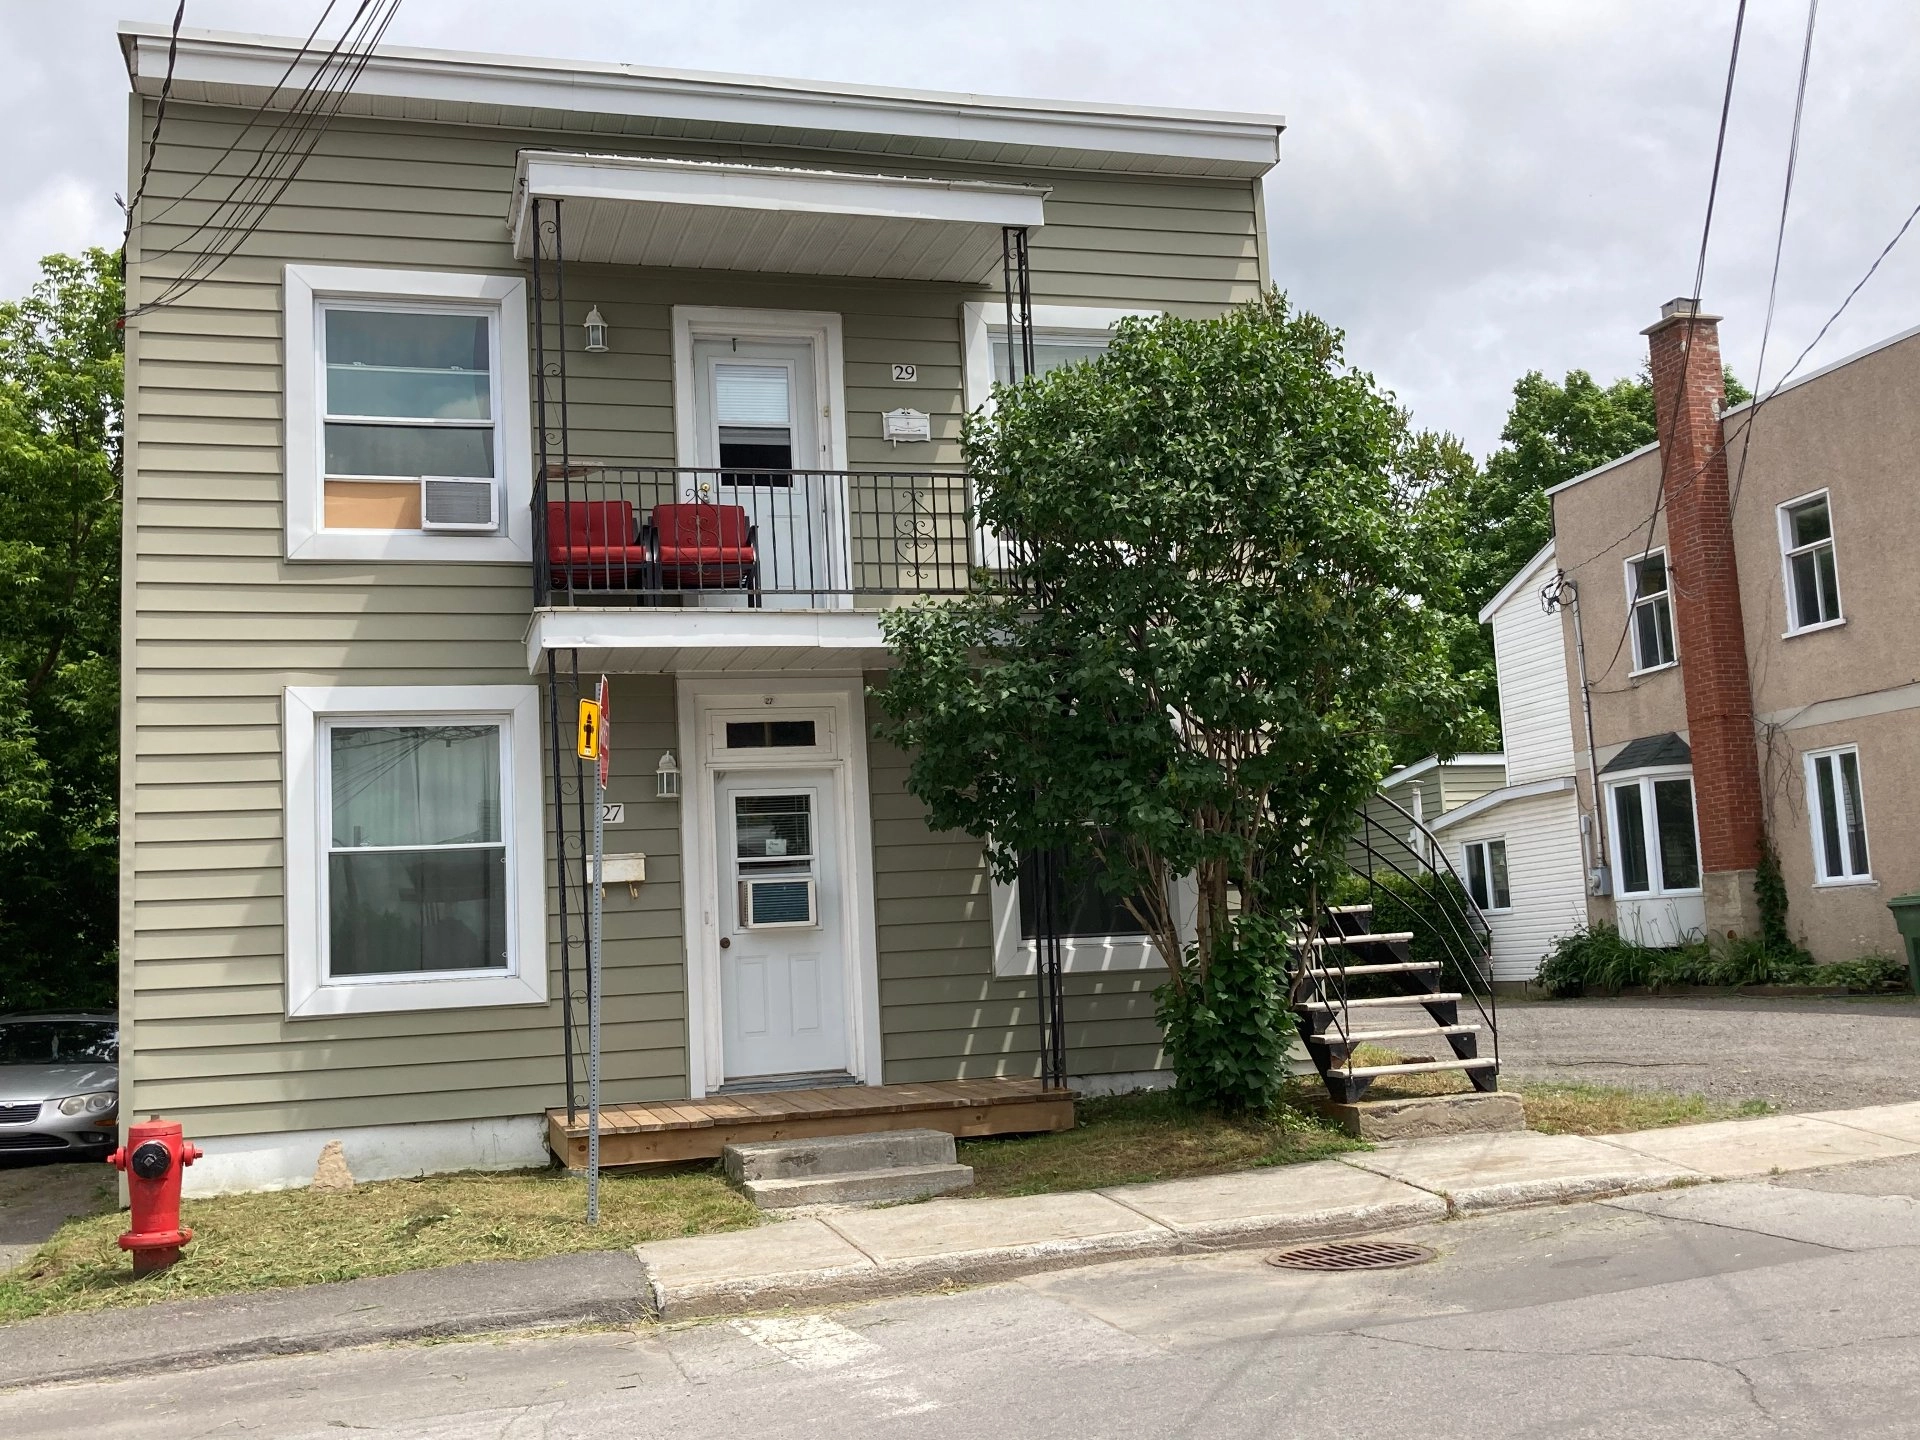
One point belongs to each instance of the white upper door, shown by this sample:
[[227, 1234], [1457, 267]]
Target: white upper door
[[783, 996], [757, 423]]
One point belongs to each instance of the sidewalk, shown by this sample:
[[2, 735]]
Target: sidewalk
[[865, 1254]]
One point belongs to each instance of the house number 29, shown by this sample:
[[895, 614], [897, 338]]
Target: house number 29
[[906, 374]]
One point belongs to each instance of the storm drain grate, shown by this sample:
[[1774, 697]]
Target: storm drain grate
[[1351, 1255]]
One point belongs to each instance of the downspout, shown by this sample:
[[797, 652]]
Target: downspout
[[1561, 593]]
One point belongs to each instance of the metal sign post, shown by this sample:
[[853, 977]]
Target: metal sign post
[[593, 744]]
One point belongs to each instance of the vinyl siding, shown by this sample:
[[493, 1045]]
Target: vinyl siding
[[944, 1014], [1530, 656], [1544, 876], [217, 624]]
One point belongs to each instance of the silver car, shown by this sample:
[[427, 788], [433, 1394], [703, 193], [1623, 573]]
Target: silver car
[[59, 1083]]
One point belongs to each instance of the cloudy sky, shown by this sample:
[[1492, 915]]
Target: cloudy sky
[[1472, 188]]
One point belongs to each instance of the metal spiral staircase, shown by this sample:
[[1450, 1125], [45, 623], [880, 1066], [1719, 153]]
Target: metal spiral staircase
[[1396, 965]]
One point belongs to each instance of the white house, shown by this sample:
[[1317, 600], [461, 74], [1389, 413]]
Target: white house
[[1518, 848]]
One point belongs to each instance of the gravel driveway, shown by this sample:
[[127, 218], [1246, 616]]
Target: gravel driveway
[[1799, 1054]]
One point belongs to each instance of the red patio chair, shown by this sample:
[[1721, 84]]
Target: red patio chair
[[592, 545], [703, 546]]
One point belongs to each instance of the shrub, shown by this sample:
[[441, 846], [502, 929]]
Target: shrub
[[1228, 1031], [1598, 957]]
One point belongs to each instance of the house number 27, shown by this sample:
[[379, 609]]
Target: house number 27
[[906, 374]]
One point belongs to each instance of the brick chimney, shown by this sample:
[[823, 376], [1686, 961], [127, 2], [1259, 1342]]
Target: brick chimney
[[1688, 391]]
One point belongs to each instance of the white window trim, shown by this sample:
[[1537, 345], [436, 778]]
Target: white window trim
[[1783, 513], [1633, 605], [1644, 778], [1822, 880], [979, 318], [1014, 957], [516, 708], [1466, 869], [306, 287]]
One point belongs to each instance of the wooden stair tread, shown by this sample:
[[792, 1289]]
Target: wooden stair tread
[[1398, 967], [1436, 997], [1368, 1072], [1363, 1037], [1385, 937]]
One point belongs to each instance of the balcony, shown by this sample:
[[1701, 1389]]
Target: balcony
[[660, 568]]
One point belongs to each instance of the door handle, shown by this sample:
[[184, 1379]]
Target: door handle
[[725, 943]]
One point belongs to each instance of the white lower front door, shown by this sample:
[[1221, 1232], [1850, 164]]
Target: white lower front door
[[783, 959]]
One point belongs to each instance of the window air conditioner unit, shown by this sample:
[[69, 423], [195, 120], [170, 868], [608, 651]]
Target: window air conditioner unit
[[777, 902], [449, 502]]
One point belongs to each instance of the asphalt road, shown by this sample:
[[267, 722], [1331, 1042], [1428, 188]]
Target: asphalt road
[[1790, 1308], [1800, 1054]]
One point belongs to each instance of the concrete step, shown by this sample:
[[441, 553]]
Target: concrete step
[[835, 1155], [860, 1187]]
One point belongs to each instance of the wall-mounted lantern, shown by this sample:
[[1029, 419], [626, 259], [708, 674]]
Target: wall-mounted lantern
[[666, 778], [596, 332]]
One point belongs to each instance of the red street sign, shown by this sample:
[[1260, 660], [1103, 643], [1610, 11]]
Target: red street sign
[[602, 699]]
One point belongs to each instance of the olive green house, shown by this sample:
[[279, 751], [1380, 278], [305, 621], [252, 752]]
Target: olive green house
[[530, 372]]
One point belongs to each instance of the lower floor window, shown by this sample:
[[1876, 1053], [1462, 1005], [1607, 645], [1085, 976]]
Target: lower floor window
[[416, 870], [1839, 820], [1656, 845], [414, 833], [1487, 874], [1082, 908]]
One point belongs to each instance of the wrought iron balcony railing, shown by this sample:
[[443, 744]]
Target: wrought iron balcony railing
[[785, 539]]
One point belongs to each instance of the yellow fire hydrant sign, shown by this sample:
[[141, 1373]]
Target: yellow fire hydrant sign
[[587, 746]]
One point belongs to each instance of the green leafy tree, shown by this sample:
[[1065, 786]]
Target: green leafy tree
[[1223, 613], [60, 390], [1553, 432]]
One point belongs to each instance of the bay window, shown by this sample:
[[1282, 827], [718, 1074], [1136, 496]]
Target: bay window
[[1656, 845]]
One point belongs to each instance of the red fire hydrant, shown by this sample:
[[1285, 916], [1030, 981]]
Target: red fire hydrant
[[154, 1156]]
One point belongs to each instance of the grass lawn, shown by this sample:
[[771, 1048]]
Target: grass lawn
[[1558, 1108], [299, 1237], [1129, 1139]]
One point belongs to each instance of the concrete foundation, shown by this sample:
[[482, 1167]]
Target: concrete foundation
[[1428, 1115], [1730, 902]]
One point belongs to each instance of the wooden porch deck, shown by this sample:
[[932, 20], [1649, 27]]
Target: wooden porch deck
[[659, 1132]]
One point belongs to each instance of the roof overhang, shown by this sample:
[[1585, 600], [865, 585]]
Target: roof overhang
[[460, 88], [667, 640], [1527, 571], [1433, 762], [1494, 799], [696, 214]]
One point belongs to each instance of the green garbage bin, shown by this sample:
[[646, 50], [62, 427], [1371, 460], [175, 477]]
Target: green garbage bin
[[1906, 914]]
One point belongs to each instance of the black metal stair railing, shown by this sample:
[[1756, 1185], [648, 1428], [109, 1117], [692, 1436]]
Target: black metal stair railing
[[1401, 932], [683, 535]]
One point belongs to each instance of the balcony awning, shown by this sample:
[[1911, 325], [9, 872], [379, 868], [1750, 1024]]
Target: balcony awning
[[704, 215]]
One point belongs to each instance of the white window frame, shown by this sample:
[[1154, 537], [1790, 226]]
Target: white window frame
[[1014, 956], [1821, 878], [311, 288], [1656, 873], [980, 318], [1487, 842], [1783, 514], [311, 993], [1632, 573]]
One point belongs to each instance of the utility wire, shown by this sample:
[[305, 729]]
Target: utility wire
[[153, 140], [277, 166], [1693, 319], [1779, 244]]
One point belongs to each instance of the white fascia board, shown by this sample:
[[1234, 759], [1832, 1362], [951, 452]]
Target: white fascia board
[[220, 67], [545, 174], [1493, 799], [667, 629], [1421, 767], [1508, 590]]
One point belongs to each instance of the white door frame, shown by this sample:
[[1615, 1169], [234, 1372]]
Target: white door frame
[[822, 327], [842, 700]]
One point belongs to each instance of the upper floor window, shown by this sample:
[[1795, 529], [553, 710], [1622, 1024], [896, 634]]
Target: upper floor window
[[1487, 874], [1813, 580], [1655, 843], [1649, 593], [1839, 821], [407, 422]]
